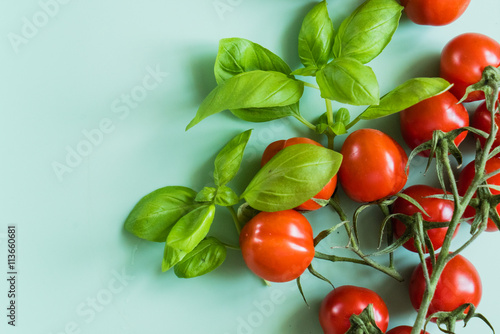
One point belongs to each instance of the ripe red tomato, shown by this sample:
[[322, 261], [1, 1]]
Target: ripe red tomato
[[463, 60], [277, 246], [481, 119], [403, 330], [344, 301], [440, 112], [327, 190], [438, 210], [434, 13], [373, 166], [459, 284], [465, 179]]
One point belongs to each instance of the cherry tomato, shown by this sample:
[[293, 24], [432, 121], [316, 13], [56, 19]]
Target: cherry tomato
[[440, 112], [438, 210], [403, 330], [458, 284], [373, 166], [434, 13], [277, 246], [463, 60], [481, 119], [327, 190], [344, 301], [465, 179]]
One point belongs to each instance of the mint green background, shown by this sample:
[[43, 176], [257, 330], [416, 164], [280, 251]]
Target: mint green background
[[68, 80]]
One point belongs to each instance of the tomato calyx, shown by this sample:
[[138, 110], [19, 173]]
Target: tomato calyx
[[446, 321], [364, 322], [489, 84], [485, 205]]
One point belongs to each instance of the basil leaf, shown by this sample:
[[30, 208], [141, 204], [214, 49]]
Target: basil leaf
[[343, 116], [207, 194], [316, 37], [207, 256], [187, 234], [346, 80], [266, 114], [404, 96], [292, 176], [339, 128], [154, 215], [238, 55], [171, 256], [306, 71], [256, 89], [226, 197], [228, 161], [367, 31]]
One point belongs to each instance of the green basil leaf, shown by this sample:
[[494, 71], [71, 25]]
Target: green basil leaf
[[226, 197], [306, 71], [292, 176], [187, 234], [207, 194], [316, 37], [238, 55], [404, 96], [367, 31], [266, 114], [343, 116], [155, 214], [228, 161], [339, 128], [346, 80], [171, 256], [207, 256], [256, 89]]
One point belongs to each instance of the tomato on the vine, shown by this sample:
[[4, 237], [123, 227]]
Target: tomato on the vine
[[403, 330], [463, 60], [277, 246], [373, 166], [344, 301], [437, 209], [440, 112], [328, 189], [481, 119], [465, 179], [458, 284], [434, 13]]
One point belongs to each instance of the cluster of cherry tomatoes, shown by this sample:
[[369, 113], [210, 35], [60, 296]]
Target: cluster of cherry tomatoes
[[279, 246]]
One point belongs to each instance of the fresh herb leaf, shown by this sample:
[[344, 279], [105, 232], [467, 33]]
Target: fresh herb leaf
[[292, 176], [256, 89], [155, 214], [228, 161], [316, 38], [207, 256], [367, 31], [187, 234], [406, 95], [346, 80]]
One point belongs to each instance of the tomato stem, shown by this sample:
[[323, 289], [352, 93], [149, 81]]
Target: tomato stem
[[354, 247], [444, 256], [329, 116]]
